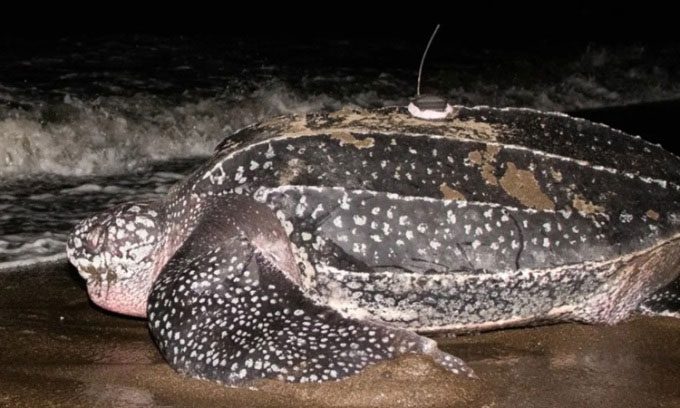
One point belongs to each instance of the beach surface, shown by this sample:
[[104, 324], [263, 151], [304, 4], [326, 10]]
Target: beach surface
[[57, 349]]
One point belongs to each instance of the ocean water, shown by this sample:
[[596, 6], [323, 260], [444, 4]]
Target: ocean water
[[86, 123]]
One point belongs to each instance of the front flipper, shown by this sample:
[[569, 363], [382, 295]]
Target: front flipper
[[222, 310], [663, 302]]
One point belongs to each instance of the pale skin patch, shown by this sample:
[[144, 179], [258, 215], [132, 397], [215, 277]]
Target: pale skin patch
[[484, 131], [486, 159], [346, 138], [522, 185], [651, 214], [451, 193], [287, 124], [362, 121], [556, 175], [475, 157], [491, 152], [487, 174], [586, 207]]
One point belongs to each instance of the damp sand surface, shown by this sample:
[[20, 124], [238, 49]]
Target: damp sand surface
[[58, 350]]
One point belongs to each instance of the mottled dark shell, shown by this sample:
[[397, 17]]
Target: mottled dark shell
[[506, 194], [615, 193]]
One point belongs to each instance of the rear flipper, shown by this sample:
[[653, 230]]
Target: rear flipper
[[663, 302], [222, 310]]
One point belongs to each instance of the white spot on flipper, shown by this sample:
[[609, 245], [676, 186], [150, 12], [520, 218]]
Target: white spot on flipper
[[359, 219]]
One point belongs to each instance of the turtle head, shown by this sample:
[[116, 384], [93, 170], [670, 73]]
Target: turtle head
[[116, 253]]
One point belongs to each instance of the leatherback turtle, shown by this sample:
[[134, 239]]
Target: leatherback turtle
[[311, 246]]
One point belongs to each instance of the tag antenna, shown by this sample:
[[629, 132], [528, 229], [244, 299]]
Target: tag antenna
[[422, 60]]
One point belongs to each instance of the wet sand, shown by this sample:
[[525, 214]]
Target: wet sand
[[57, 349]]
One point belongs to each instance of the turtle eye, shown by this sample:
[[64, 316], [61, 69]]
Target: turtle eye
[[94, 238]]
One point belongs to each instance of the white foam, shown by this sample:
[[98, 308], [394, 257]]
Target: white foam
[[35, 261], [83, 188], [37, 216], [110, 135], [31, 249], [42, 244], [119, 134]]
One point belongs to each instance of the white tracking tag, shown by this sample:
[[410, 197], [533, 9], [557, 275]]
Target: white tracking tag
[[429, 107]]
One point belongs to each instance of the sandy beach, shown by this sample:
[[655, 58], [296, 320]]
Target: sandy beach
[[59, 350]]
